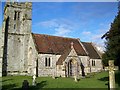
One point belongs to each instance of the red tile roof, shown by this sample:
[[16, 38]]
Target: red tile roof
[[63, 57], [92, 52], [48, 44]]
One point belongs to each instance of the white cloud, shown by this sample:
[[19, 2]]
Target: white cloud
[[49, 23], [86, 32], [61, 31], [60, 27]]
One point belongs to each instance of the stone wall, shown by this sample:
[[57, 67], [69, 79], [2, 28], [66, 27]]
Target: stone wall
[[32, 57], [60, 71], [98, 65], [1, 51], [19, 30], [47, 71], [85, 63]]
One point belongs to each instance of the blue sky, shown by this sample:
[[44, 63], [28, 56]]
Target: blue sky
[[85, 20]]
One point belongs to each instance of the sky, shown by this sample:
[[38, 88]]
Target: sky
[[85, 20]]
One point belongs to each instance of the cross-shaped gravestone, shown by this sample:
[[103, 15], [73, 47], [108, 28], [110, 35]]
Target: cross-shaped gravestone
[[111, 69]]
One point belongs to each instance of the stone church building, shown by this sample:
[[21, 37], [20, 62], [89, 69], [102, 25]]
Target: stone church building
[[25, 53]]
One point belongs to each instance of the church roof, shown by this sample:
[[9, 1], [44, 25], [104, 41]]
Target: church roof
[[47, 44], [63, 57], [92, 52]]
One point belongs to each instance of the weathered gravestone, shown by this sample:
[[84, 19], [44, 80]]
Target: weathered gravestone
[[34, 80], [25, 85], [111, 69], [75, 78], [53, 76]]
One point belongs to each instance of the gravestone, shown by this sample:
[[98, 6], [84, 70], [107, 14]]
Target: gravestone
[[75, 78], [111, 69], [53, 76], [34, 80], [25, 85]]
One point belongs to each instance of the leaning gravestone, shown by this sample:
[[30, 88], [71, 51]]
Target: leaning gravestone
[[112, 69]]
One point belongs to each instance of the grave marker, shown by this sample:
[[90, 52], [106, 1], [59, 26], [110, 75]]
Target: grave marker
[[111, 69]]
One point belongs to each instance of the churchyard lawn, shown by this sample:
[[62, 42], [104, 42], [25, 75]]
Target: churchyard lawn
[[95, 80]]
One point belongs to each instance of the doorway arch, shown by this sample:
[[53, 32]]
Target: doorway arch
[[72, 67]]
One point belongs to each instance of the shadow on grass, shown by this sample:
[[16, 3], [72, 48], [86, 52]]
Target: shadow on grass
[[6, 80], [39, 86], [104, 79], [8, 86], [117, 78]]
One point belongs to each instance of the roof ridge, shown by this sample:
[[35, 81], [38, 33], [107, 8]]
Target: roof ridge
[[55, 36], [87, 42]]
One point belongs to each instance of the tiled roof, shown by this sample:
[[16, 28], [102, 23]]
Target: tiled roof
[[63, 57], [92, 53], [48, 44]]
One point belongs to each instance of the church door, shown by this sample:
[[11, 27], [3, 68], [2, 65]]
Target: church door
[[72, 68]]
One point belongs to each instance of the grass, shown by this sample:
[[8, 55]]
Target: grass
[[99, 80]]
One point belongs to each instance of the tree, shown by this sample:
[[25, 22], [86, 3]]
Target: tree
[[113, 41]]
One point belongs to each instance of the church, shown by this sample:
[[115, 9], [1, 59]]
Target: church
[[25, 53]]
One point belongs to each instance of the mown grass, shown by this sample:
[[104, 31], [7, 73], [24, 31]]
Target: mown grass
[[99, 80]]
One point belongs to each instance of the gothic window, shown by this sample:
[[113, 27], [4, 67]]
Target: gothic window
[[14, 26], [93, 62], [47, 62], [17, 15]]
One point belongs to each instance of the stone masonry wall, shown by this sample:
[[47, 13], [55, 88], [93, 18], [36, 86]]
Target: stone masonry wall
[[1, 51], [19, 31], [32, 57], [98, 65], [47, 71]]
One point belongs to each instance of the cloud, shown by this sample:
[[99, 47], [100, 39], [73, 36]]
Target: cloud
[[49, 23], [61, 31], [86, 33], [59, 27]]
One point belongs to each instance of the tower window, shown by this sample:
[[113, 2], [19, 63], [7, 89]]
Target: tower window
[[14, 26], [17, 15], [47, 62]]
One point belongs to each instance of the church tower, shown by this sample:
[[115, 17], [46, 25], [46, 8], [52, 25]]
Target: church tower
[[16, 32]]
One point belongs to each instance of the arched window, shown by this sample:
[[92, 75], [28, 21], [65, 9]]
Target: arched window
[[17, 15], [47, 61], [93, 62]]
